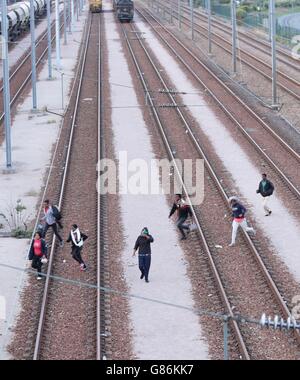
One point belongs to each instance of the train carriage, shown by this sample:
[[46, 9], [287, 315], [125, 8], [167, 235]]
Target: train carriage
[[95, 6], [124, 9], [18, 16]]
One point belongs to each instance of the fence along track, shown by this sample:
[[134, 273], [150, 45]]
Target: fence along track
[[253, 41]]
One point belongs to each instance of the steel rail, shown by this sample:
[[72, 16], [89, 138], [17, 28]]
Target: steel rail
[[215, 272], [99, 216], [288, 182], [66, 170]]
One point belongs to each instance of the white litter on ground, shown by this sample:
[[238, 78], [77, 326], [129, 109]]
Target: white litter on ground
[[282, 229], [33, 136], [159, 331]]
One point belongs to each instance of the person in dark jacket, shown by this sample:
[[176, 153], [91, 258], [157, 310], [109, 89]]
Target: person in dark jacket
[[76, 237], [265, 189], [143, 244], [183, 212], [38, 251], [50, 220], [239, 220]]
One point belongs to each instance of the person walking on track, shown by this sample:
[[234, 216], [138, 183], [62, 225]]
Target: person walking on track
[[51, 213], [143, 244], [38, 252], [183, 212], [239, 220], [76, 237], [265, 189]]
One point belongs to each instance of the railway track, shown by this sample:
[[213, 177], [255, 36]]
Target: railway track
[[267, 144], [285, 81], [71, 322], [240, 298], [20, 74]]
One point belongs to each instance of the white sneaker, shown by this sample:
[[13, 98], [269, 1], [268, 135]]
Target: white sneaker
[[231, 245], [39, 277]]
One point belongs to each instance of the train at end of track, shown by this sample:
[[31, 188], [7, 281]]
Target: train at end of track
[[95, 6], [124, 10]]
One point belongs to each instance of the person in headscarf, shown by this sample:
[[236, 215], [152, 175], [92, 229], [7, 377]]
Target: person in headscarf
[[143, 244]]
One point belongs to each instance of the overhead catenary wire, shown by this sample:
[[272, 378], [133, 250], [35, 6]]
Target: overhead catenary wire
[[263, 321]]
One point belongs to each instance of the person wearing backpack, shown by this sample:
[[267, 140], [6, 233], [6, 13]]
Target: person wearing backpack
[[38, 253], [265, 189], [76, 237], [50, 220]]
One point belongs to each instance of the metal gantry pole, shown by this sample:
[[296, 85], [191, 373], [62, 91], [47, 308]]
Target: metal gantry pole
[[6, 100], [65, 23], [179, 14], [49, 39], [225, 335], [273, 45], [72, 15], [77, 11], [192, 17], [233, 24], [57, 39], [33, 57], [209, 25]]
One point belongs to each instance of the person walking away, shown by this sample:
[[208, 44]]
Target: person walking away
[[239, 220], [265, 189], [38, 251], [76, 237], [50, 221], [143, 244], [183, 212]]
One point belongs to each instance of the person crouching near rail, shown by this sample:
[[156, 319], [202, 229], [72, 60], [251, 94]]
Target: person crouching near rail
[[76, 237], [38, 253], [143, 245], [239, 220]]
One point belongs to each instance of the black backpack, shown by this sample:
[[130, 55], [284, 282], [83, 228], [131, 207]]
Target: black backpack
[[56, 213]]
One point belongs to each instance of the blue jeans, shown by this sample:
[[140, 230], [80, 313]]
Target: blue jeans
[[181, 226], [144, 264]]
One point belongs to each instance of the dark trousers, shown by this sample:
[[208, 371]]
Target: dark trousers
[[58, 222], [181, 226], [37, 264], [76, 254], [144, 265], [54, 228]]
